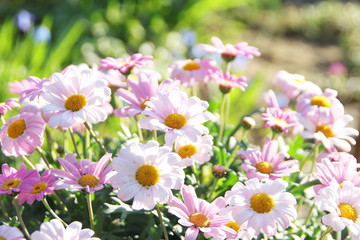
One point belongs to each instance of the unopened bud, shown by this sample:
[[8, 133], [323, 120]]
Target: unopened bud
[[227, 57], [225, 89], [218, 171], [248, 123]]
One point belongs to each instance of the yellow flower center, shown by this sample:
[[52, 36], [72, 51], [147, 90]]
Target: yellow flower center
[[187, 151], [38, 188], [326, 130], [261, 203], [142, 105], [16, 128], [199, 220], [175, 120], [147, 175], [279, 122], [88, 180], [190, 66], [264, 167], [348, 211], [299, 80], [321, 101], [13, 183], [341, 184], [2, 238], [75, 102], [233, 225]]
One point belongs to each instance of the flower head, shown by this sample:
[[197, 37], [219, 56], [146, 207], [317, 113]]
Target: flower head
[[176, 114], [127, 64], [75, 97], [37, 188], [35, 90], [227, 81], [279, 120], [9, 105], [342, 206], [194, 151], [20, 86], [146, 173], [261, 206], [199, 215], [83, 175], [192, 72], [22, 134], [11, 179], [54, 229], [267, 164], [10, 233]]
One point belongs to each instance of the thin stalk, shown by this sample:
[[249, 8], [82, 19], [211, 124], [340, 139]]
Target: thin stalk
[[17, 208], [324, 234], [141, 138], [44, 158], [222, 118], [91, 213], [47, 206], [2, 119], [94, 136], [155, 135], [74, 143], [193, 168], [213, 187], [232, 157], [162, 222], [309, 215], [338, 235], [28, 162], [62, 205], [3, 208]]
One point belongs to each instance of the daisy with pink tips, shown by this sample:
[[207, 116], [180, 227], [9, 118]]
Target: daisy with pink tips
[[192, 72], [176, 114], [75, 97], [279, 120], [200, 216], [11, 179], [262, 206], [239, 49], [37, 188], [127, 64], [32, 93], [142, 89], [342, 207], [54, 229], [334, 155], [19, 86], [331, 135], [147, 173], [22, 134], [194, 151], [267, 163], [326, 171], [318, 106], [10, 233], [9, 105], [83, 175], [227, 81]]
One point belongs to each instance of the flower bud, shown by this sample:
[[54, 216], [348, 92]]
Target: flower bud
[[248, 123], [218, 171]]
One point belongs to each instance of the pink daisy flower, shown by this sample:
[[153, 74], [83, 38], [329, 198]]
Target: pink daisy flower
[[22, 134], [9, 105], [127, 64], [54, 229], [200, 216], [18, 87], [331, 135], [176, 114], [334, 155], [192, 72], [342, 206], [267, 164], [326, 171], [35, 90], [11, 179], [318, 106], [75, 98], [279, 120], [146, 173], [227, 81], [83, 175], [10, 233], [239, 49], [37, 188], [142, 90], [194, 151], [293, 84], [262, 206]]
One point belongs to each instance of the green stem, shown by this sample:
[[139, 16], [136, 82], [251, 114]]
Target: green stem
[[74, 143], [47, 206], [162, 222], [324, 234], [141, 137], [3, 208], [44, 158], [155, 135], [91, 213], [28, 162], [193, 168], [309, 215], [2, 119], [223, 115], [232, 157], [338, 235], [212, 190], [17, 208], [94, 136], [62, 205]]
